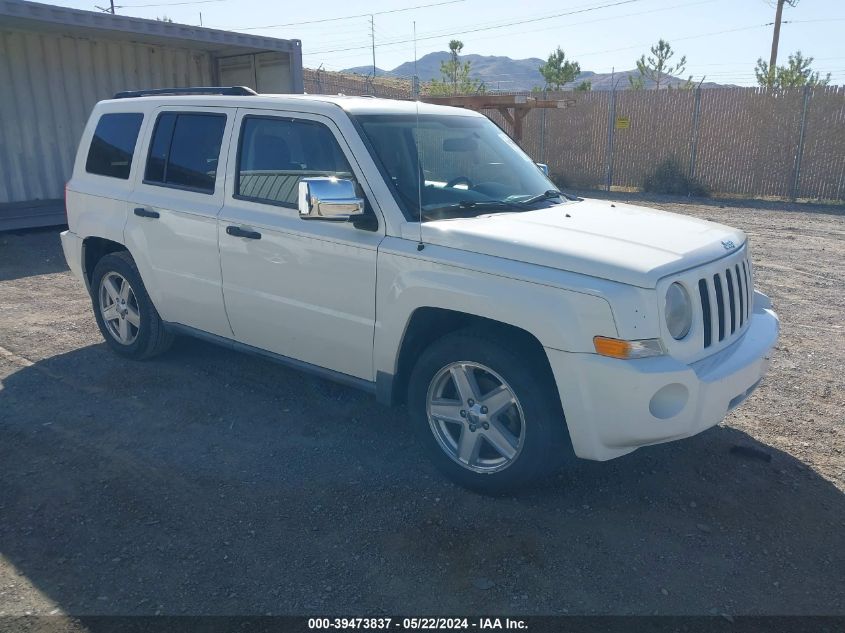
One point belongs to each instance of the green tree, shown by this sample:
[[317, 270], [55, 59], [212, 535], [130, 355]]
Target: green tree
[[657, 67], [558, 70], [636, 82], [584, 86], [164, 18], [798, 72], [455, 75]]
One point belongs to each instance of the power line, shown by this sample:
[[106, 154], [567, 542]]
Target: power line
[[605, 19], [167, 4], [390, 45], [488, 28], [394, 40], [346, 17], [820, 20], [678, 39], [738, 74]]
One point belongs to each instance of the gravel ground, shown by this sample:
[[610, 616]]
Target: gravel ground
[[211, 482]]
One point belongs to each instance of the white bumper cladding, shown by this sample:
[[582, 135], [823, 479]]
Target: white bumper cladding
[[614, 406], [72, 247]]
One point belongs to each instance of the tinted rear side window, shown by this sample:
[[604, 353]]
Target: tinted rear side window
[[160, 148], [185, 150], [113, 144]]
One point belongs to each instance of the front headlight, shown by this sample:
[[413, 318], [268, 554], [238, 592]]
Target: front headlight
[[678, 311]]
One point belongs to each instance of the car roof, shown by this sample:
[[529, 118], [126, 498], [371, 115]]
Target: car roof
[[314, 103]]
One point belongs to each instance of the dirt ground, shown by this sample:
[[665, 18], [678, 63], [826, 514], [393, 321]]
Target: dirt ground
[[211, 482]]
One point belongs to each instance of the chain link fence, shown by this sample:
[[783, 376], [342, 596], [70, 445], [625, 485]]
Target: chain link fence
[[746, 142], [330, 83]]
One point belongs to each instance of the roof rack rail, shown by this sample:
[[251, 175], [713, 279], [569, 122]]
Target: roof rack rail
[[240, 91]]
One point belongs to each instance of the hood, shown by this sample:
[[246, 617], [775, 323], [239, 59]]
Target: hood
[[620, 242]]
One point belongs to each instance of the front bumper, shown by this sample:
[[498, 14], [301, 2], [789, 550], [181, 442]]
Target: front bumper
[[614, 406]]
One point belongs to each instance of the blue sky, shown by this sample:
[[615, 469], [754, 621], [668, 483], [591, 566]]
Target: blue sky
[[722, 39]]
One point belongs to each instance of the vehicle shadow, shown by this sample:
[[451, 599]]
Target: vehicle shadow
[[26, 253], [211, 482]]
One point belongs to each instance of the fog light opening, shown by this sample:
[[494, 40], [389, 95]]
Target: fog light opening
[[669, 401]]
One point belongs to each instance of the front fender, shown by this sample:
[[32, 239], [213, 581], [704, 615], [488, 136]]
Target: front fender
[[479, 285]]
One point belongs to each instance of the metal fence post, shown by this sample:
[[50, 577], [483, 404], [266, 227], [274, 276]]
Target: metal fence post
[[543, 132], [696, 120], [611, 119], [799, 155]]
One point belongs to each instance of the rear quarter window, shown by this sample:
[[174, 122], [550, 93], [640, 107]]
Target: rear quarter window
[[113, 144]]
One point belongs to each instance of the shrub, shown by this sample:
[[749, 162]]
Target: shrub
[[669, 177]]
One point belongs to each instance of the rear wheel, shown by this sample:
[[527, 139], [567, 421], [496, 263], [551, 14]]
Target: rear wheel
[[125, 315], [487, 411]]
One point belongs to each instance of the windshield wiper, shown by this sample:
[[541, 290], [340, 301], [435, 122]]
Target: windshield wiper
[[471, 205], [546, 195], [490, 204]]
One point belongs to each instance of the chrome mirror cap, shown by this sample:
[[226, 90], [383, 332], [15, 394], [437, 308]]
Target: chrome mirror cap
[[329, 198]]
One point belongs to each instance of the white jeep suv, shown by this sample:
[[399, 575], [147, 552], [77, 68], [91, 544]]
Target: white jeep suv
[[414, 251]]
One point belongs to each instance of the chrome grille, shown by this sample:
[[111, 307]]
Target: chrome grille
[[725, 298]]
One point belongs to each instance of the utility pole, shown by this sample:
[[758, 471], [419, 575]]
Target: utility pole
[[776, 37], [111, 2], [373, 38]]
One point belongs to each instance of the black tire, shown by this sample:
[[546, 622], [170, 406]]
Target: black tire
[[546, 443], [152, 337]]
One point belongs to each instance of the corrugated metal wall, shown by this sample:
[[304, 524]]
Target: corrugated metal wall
[[50, 82]]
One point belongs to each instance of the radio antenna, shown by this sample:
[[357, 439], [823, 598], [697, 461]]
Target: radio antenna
[[420, 173]]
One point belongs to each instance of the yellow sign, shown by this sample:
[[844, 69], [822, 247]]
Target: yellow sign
[[623, 122]]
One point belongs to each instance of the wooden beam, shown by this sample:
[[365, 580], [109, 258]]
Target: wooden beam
[[518, 116], [494, 102], [507, 116], [513, 108], [479, 102]]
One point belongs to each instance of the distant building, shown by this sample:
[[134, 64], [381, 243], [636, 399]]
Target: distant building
[[56, 63]]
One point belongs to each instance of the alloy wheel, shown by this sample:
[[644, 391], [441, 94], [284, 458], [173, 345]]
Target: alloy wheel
[[475, 416]]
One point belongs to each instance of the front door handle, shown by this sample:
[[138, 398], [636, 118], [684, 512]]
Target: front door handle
[[146, 213], [239, 232]]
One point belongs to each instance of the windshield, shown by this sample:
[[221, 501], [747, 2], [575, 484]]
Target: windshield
[[468, 165]]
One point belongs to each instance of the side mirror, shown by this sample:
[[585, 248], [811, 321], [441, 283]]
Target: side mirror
[[327, 198], [543, 168]]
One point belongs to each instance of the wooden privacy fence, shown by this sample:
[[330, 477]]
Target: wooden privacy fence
[[753, 142]]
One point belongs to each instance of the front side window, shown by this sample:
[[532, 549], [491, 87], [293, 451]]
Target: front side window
[[185, 150], [113, 144], [457, 165], [274, 154]]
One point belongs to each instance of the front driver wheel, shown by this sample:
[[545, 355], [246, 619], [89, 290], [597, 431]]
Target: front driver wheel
[[487, 411]]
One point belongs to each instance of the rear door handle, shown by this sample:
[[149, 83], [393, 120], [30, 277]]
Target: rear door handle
[[146, 213], [239, 232]]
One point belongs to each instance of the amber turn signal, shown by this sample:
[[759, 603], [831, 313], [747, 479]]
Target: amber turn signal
[[618, 348]]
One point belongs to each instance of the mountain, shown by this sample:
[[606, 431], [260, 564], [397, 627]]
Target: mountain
[[498, 73], [506, 74]]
